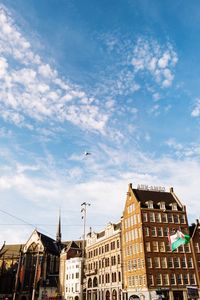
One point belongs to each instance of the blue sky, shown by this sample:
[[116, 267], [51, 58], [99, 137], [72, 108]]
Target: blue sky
[[119, 79]]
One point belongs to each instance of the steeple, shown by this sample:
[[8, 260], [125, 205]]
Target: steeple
[[58, 234]]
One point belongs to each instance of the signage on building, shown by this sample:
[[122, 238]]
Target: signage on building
[[154, 188]]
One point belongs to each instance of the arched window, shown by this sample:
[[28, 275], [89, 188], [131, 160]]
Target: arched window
[[95, 282], [107, 295], [114, 295], [89, 283]]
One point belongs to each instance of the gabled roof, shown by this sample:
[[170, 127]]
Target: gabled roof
[[146, 195], [49, 244], [72, 245], [11, 250]]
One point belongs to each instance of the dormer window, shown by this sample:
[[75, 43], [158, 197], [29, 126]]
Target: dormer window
[[174, 206], [162, 205], [149, 204]]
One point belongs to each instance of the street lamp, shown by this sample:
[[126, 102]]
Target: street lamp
[[84, 206]]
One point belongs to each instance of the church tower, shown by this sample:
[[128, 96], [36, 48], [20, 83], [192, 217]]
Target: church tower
[[58, 234]]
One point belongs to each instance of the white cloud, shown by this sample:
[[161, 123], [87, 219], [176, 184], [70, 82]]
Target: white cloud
[[3, 66], [32, 89], [159, 61], [196, 110], [107, 190], [173, 144]]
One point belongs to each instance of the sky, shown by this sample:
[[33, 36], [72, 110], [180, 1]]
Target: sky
[[119, 79]]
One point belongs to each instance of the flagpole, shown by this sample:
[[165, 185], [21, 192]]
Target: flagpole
[[17, 274]]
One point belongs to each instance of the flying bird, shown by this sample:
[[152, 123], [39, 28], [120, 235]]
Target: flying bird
[[87, 153]]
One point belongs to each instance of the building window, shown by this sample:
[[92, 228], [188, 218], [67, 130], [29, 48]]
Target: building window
[[114, 277], [183, 262], [102, 279], [153, 231], [170, 262], [176, 219], [112, 245], [168, 247], [151, 280], [173, 279], [150, 204], [148, 247], [140, 280], [162, 205], [118, 259], [118, 243], [146, 231], [149, 262], [113, 261], [165, 231], [174, 206], [163, 262], [165, 279], [145, 217], [155, 246], [190, 262], [179, 279], [170, 218], [157, 262], [192, 279], [162, 246], [107, 278], [176, 262], [185, 279], [119, 276], [151, 217], [181, 248], [107, 262], [164, 218], [160, 231], [106, 247], [187, 248], [129, 281], [139, 263], [196, 247], [159, 279], [182, 219], [133, 280], [158, 217]]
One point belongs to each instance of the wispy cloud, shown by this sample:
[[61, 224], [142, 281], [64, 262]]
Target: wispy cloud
[[196, 110], [31, 89], [157, 60], [182, 151]]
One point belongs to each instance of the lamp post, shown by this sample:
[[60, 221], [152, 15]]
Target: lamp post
[[84, 206]]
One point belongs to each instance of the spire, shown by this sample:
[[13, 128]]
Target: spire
[[58, 234]]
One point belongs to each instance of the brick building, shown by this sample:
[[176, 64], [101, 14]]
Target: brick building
[[151, 270]]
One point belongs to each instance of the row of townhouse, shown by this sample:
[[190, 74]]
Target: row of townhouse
[[133, 259], [128, 260]]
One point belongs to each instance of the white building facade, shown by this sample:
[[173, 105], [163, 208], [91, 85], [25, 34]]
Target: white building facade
[[73, 272], [103, 264]]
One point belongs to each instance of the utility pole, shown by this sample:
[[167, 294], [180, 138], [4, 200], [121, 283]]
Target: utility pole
[[84, 206]]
